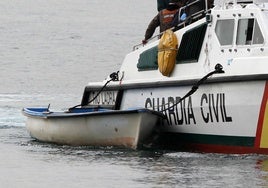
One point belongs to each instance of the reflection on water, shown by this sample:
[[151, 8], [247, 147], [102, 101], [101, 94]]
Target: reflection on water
[[262, 167], [109, 166]]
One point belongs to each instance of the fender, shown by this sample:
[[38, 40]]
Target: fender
[[167, 52]]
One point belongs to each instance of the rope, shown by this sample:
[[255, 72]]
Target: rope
[[167, 49], [218, 69], [114, 77]]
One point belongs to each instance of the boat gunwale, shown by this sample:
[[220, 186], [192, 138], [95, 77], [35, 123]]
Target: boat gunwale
[[33, 112], [186, 82]]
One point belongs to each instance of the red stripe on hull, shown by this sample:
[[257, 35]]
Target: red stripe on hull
[[261, 117], [224, 149]]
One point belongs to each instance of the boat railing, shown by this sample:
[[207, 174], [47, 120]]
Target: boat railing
[[194, 11], [226, 4]]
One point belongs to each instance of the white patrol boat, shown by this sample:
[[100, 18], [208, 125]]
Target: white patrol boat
[[215, 96]]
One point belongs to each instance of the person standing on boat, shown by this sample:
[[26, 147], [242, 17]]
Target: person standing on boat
[[163, 19]]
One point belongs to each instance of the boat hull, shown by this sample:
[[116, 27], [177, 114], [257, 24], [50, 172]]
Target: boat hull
[[225, 117], [129, 128], [221, 116]]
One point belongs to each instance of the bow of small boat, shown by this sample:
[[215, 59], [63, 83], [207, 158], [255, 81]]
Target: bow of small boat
[[35, 112]]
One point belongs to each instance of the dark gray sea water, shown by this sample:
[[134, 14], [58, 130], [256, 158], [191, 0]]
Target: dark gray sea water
[[49, 50]]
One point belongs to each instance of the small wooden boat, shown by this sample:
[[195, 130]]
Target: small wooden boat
[[92, 126]]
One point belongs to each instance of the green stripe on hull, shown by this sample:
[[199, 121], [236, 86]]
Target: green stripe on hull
[[184, 138]]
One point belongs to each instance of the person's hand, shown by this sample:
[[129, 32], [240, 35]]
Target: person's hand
[[144, 41]]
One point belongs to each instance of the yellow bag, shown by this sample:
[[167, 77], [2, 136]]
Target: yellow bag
[[167, 52]]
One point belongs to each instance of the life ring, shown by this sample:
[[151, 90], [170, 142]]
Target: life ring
[[167, 52]]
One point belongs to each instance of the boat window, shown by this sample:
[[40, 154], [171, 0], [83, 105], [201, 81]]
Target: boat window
[[225, 31], [148, 59], [248, 32], [191, 44], [257, 35]]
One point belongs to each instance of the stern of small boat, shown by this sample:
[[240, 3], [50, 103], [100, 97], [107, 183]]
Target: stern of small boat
[[149, 122]]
